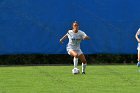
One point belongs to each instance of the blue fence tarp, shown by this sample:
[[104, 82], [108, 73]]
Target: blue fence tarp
[[35, 26]]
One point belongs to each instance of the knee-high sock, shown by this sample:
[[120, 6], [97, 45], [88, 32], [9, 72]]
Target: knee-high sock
[[83, 67], [75, 61]]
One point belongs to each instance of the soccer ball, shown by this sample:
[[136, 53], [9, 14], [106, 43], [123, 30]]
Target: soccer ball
[[75, 71]]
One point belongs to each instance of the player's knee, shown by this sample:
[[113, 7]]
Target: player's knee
[[76, 55], [84, 62]]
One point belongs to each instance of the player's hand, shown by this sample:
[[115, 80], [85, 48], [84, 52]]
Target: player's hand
[[61, 41], [86, 38]]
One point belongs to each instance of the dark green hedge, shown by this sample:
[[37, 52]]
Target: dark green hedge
[[65, 59]]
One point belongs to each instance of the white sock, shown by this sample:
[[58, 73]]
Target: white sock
[[75, 61], [83, 67]]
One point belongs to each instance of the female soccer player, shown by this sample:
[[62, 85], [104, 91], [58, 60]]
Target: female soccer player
[[75, 37], [138, 33]]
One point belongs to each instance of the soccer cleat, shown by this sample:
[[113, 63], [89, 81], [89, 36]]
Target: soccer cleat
[[138, 64], [83, 73]]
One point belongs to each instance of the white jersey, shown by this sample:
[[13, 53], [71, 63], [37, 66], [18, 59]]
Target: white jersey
[[75, 39], [138, 33]]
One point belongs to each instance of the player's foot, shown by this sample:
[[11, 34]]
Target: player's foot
[[138, 64], [83, 73]]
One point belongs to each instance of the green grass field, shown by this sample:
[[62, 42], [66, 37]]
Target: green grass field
[[58, 79]]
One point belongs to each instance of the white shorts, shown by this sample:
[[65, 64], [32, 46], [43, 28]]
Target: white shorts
[[138, 48], [79, 52]]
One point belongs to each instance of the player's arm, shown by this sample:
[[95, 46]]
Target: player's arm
[[86, 38], [137, 37], [63, 38]]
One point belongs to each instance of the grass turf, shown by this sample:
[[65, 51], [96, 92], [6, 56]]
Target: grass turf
[[58, 79]]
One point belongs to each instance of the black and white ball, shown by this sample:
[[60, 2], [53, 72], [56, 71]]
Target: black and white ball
[[75, 71]]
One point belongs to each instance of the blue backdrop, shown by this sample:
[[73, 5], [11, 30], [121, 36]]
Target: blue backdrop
[[35, 26]]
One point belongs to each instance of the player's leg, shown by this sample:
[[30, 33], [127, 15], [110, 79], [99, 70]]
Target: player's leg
[[84, 62], [138, 64], [73, 53], [75, 59]]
